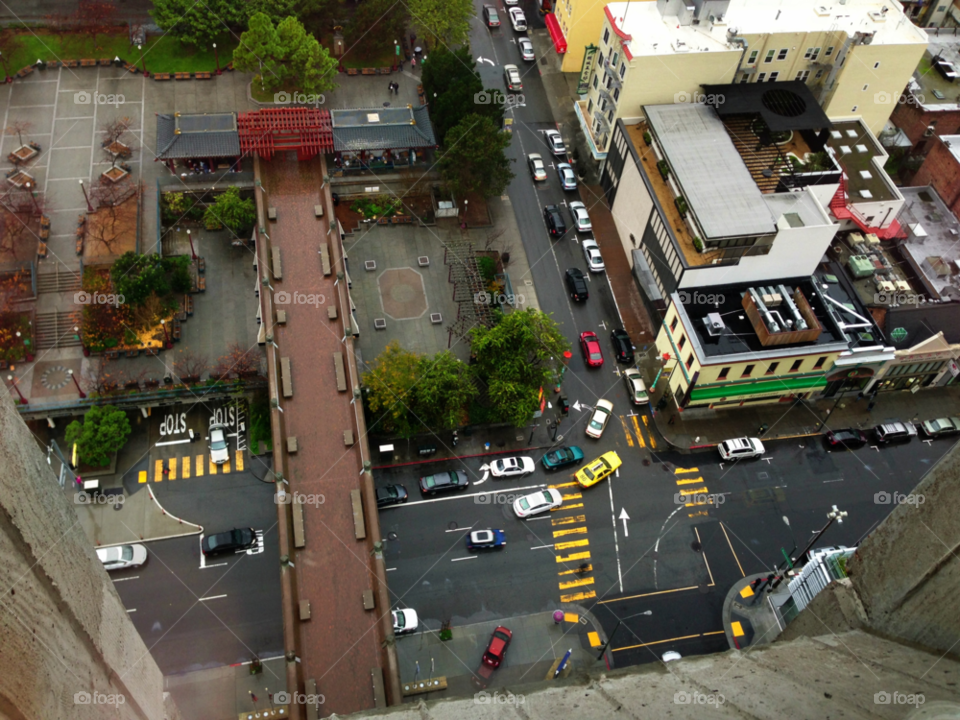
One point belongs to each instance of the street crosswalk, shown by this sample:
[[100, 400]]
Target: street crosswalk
[[637, 431], [189, 466], [694, 493], [571, 548]]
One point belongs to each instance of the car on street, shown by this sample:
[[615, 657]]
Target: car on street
[[598, 421], [845, 438], [593, 472], [486, 540], [518, 19], [453, 481], [941, 427], [554, 220], [121, 557], [591, 251], [511, 2], [581, 219], [590, 349], [493, 656], [947, 69], [526, 47], [219, 452], [230, 541], [391, 495], [538, 502], [740, 448], [490, 16], [510, 467], [537, 169], [568, 179], [577, 284], [511, 74], [405, 621], [634, 382], [561, 457], [622, 346], [894, 431], [555, 142]]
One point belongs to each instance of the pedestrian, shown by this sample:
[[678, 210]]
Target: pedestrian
[[396, 87], [390, 88], [672, 419], [166, 470], [413, 63]]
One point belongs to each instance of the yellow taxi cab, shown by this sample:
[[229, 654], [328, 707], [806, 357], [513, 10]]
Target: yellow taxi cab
[[595, 471]]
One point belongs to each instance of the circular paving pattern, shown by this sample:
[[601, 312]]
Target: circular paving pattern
[[402, 293], [55, 377]]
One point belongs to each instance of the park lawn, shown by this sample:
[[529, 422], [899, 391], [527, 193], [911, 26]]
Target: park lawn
[[161, 53], [361, 57]]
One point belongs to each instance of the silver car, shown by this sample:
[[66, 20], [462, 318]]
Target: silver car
[[219, 451], [518, 19], [635, 386], [555, 142], [591, 251], [526, 49], [122, 557], [568, 178], [581, 219]]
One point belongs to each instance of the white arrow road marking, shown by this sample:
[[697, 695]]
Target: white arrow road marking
[[616, 540], [624, 517], [577, 406]]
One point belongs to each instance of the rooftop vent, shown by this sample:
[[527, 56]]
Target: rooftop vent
[[713, 322]]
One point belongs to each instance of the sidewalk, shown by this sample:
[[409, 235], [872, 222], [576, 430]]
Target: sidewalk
[[224, 692], [750, 618]]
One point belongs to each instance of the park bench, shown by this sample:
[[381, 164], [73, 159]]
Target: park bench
[[341, 374], [304, 610], [132, 354], [25, 71], [292, 445], [189, 304], [271, 213], [202, 75], [201, 265], [332, 312], [281, 317], [348, 438], [181, 76], [386, 70], [80, 246], [359, 527], [285, 379], [130, 68], [44, 222], [298, 535], [88, 62], [105, 62], [277, 266], [70, 63], [352, 71], [318, 210], [201, 284], [325, 258], [161, 76], [44, 232], [369, 71], [311, 692], [229, 66], [42, 250]]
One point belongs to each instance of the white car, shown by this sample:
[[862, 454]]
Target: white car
[[739, 448], [219, 452], [405, 621], [537, 503], [512, 2], [598, 421], [511, 74], [122, 557], [555, 142], [526, 47], [518, 19], [537, 169], [635, 386], [591, 251], [581, 220], [512, 467]]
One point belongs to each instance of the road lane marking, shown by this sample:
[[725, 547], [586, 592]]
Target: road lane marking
[[212, 597], [574, 556], [204, 567], [185, 472], [390, 569], [651, 594], [730, 545], [199, 465], [135, 577], [703, 552], [570, 531], [737, 629], [477, 494], [572, 496], [653, 440], [568, 520], [832, 481], [655, 642], [578, 596], [132, 610], [142, 476], [541, 547], [636, 429], [588, 568], [212, 469], [158, 471], [571, 506], [571, 544], [460, 529], [171, 442], [690, 481], [173, 469], [563, 485], [239, 461], [469, 557], [226, 466], [695, 491], [576, 583], [680, 471], [626, 431]]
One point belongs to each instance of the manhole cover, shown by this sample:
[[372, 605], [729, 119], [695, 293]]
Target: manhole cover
[[763, 476], [391, 536], [452, 525], [696, 546]]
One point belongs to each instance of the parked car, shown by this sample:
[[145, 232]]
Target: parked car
[[591, 251], [511, 74], [554, 220], [622, 346], [740, 448], [845, 438], [537, 169], [511, 2], [894, 431], [561, 457], [490, 16], [568, 179], [581, 219], [493, 657], [635, 386], [947, 69], [512, 467], [219, 452], [593, 472], [121, 557], [590, 348], [405, 621], [941, 427], [577, 284], [538, 502], [526, 46], [391, 495], [486, 540], [230, 541], [518, 19], [598, 421], [555, 142], [455, 480]]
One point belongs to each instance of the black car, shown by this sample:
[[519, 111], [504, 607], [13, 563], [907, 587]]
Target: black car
[[847, 437], [577, 284], [622, 347], [554, 220], [444, 482], [230, 541], [391, 495]]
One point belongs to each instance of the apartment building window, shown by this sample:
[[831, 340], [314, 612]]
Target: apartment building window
[[596, 127], [606, 36], [683, 341], [753, 57], [616, 95], [818, 75], [589, 106], [829, 51], [723, 374], [769, 57], [796, 365], [773, 76], [772, 368], [610, 117], [623, 70], [802, 75], [813, 53], [761, 77], [602, 105], [820, 361], [876, 65], [782, 55], [613, 59], [689, 360], [747, 371], [854, 108], [594, 81], [673, 325], [744, 79]]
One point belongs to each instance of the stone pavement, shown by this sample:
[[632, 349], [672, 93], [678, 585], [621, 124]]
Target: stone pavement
[[224, 692]]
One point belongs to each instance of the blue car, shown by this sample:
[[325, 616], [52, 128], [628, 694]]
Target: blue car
[[486, 540], [561, 457]]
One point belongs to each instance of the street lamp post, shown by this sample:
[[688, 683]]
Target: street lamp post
[[163, 324], [834, 515], [23, 400], [396, 62], [192, 251], [33, 197], [143, 62], [216, 57], [73, 377], [86, 197], [6, 75]]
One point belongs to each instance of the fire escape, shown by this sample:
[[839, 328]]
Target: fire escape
[[841, 209]]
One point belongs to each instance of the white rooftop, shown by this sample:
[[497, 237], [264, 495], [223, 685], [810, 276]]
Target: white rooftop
[[953, 144], [654, 34]]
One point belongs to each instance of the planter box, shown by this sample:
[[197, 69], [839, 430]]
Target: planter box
[[115, 174]]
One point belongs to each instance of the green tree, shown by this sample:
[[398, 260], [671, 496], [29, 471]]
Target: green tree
[[138, 277], [276, 10], [473, 158], [444, 392], [104, 430], [378, 23], [232, 212], [442, 22], [197, 23], [515, 358], [388, 390], [453, 86]]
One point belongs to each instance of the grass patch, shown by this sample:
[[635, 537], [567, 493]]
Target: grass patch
[[361, 57], [161, 53]]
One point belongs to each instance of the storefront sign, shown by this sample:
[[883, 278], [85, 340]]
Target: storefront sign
[[589, 59]]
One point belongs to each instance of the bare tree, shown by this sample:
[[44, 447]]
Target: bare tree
[[18, 127], [108, 224], [190, 366], [240, 361], [94, 18], [104, 379]]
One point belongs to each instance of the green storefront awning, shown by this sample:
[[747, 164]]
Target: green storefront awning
[[784, 385]]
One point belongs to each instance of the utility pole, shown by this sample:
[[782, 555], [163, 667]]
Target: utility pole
[[835, 514]]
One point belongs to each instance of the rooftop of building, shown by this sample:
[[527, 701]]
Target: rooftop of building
[[855, 148], [868, 262], [200, 135], [383, 128], [654, 34], [932, 247], [930, 89]]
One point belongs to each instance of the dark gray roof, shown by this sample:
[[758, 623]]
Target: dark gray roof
[[921, 322], [382, 129], [202, 135]]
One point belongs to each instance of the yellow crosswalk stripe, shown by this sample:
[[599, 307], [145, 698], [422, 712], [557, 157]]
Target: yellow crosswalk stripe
[[695, 504], [185, 472], [239, 461], [142, 476], [699, 513], [226, 466], [158, 471], [681, 471], [571, 617], [594, 639], [199, 465], [690, 481], [572, 496], [570, 531], [568, 507], [570, 544], [578, 596], [576, 571], [173, 469], [212, 467], [737, 629], [653, 440], [574, 556], [563, 485], [626, 431], [694, 491], [636, 429], [581, 582], [569, 520]]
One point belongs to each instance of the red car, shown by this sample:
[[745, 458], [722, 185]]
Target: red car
[[590, 347], [493, 657]]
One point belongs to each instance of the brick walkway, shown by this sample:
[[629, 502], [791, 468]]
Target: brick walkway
[[340, 644]]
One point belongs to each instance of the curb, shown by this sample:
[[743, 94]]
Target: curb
[[460, 457]]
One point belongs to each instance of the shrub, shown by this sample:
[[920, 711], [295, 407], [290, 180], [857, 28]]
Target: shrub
[[698, 244], [664, 169], [647, 138], [681, 204], [488, 268]]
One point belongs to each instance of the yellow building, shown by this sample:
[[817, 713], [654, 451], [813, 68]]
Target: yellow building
[[581, 22], [856, 56]]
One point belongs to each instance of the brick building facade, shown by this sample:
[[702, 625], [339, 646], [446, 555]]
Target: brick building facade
[[941, 169]]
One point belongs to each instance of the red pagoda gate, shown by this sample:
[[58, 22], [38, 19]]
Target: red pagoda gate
[[309, 131]]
